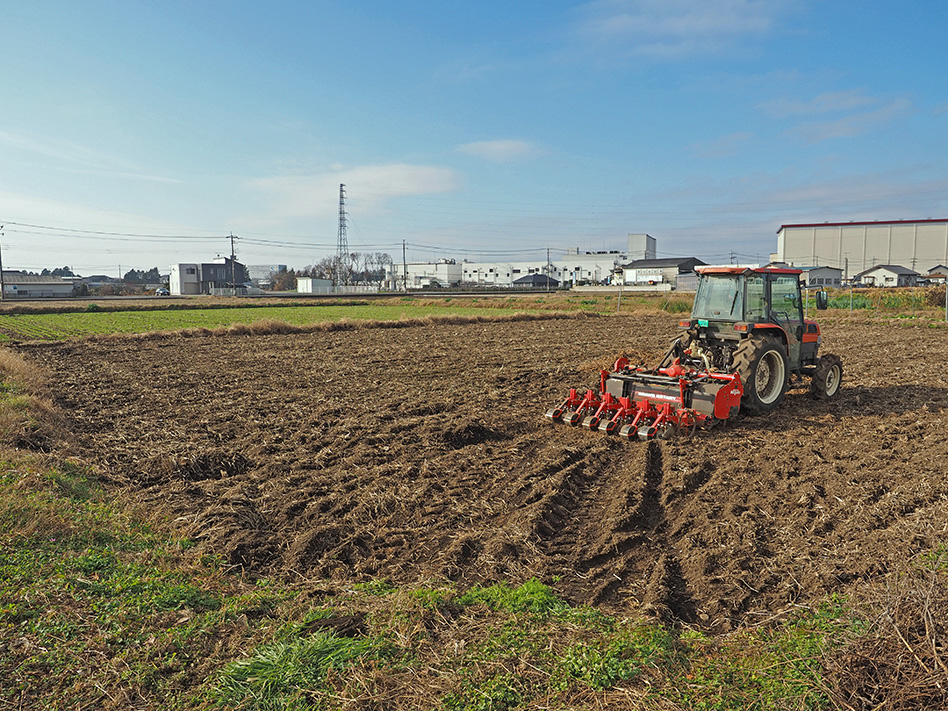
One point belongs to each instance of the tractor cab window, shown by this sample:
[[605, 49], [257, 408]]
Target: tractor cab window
[[755, 303], [785, 300], [719, 298]]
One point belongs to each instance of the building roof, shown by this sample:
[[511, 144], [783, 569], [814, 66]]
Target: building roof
[[536, 280], [34, 279], [869, 223], [894, 268], [689, 262], [940, 268]]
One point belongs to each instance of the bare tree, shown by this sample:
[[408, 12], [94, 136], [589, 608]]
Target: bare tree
[[283, 281]]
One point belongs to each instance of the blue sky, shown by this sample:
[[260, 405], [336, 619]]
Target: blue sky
[[138, 134]]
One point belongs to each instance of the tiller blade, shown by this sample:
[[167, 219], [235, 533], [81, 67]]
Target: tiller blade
[[676, 397]]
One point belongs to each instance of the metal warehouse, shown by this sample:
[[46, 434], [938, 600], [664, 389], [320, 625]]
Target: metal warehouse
[[856, 246]]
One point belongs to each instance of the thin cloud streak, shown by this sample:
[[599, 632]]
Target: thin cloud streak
[[854, 125], [89, 162], [825, 103], [723, 147], [501, 151], [674, 29]]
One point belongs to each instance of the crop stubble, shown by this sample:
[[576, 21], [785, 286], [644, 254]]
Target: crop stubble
[[421, 453]]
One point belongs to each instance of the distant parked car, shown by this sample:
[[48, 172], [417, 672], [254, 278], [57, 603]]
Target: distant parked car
[[162, 292]]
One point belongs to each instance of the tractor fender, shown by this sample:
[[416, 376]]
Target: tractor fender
[[775, 331]]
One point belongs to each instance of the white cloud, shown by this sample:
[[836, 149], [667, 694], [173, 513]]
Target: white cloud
[[825, 103], [503, 151], [20, 207], [672, 29], [370, 186], [77, 158], [855, 124], [59, 150]]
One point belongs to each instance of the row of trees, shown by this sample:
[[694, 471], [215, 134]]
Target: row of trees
[[361, 268], [132, 276], [137, 276]]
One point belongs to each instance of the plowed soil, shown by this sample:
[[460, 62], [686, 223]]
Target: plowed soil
[[421, 453]]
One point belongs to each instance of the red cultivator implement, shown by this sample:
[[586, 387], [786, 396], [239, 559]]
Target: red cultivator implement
[[678, 396]]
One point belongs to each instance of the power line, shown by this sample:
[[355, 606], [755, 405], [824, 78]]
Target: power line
[[93, 233]]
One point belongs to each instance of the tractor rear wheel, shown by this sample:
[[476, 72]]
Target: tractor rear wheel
[[763, 367], [827, 377]]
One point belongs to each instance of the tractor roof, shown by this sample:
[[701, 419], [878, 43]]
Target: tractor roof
[[739, 269]]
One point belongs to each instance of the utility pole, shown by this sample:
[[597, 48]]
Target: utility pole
[[233, 264], [404, 266], [1, 262], [548, 269]]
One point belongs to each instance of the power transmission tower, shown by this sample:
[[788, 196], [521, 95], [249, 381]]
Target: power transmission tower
[[342, 241]]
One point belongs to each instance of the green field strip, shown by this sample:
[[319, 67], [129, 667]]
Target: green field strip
[[59, 326]]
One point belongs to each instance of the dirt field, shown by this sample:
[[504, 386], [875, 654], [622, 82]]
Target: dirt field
[[422, 453]]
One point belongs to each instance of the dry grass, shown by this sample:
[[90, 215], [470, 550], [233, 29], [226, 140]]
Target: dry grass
[[901, 662], [15, 369], [28, 417]]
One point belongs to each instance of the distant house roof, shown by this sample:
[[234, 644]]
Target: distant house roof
[[536, 280], [809, 269], [940, 269], [684, 264], [894, 268], [33, 279], [98, 279]]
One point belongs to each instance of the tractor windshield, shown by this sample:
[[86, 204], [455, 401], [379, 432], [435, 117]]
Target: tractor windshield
[[719, 297]]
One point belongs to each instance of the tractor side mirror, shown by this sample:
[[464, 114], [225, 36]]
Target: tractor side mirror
[[822, 300]]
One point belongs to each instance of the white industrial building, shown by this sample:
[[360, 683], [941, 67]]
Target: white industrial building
[[652, 272], [263, 274], [573, 267], [19, 285], [855, 247], [445, 273]]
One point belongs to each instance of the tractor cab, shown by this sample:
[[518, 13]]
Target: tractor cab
[[734, 302]]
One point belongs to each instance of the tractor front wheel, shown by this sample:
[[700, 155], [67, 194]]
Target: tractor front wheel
[[763, 367], [827, 377]]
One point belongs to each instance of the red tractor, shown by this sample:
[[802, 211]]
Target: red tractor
[[746, 339]]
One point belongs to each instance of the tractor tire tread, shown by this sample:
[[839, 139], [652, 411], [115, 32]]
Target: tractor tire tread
[[745, 357], [822, 376]]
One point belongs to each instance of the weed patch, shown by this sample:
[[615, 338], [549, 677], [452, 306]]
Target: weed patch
[[291, 674]]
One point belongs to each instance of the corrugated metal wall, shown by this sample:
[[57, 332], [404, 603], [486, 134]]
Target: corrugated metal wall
[[856, 247]]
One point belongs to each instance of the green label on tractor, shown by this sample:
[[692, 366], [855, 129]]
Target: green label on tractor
[[703, 322]]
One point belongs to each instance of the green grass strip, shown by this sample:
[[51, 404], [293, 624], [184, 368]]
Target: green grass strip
[[60, 326]]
